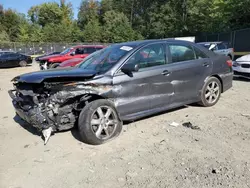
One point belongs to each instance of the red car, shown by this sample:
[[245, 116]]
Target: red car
[[70, 63], [80, 51]]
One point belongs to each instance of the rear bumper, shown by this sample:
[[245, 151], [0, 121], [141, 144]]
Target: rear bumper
[[227, 81]]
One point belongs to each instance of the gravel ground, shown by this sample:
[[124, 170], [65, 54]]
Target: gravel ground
[[148, 153]]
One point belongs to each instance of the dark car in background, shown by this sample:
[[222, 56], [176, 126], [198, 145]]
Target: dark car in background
[[12, 59], [122, 82]]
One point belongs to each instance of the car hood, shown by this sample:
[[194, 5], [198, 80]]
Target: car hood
[[49, 56], [56, 75], [244, 58]]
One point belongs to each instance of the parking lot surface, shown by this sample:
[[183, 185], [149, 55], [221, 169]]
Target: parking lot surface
[[148, 153]]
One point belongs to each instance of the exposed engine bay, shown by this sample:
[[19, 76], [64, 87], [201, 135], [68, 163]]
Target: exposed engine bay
[[53, 106]]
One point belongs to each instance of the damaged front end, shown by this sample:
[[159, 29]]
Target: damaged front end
[[53, 106]]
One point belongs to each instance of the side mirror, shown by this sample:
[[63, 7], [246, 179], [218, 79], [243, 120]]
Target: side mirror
[[73, 53], [129, 68]]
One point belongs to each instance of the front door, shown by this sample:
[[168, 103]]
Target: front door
[[145, 90], [188, 69]]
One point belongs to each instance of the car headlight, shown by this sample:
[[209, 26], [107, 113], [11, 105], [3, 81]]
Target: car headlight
[[236, 64]]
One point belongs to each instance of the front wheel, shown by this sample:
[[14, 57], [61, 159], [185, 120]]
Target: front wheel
[[211, 92], [99, 122], [54, 65]]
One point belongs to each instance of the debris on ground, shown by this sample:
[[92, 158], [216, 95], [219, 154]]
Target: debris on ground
[[47, 134], [214, 171], [246, 115], [191, 126], [174, 124]]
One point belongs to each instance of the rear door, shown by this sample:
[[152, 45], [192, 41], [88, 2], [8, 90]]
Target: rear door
[[13, 59], [188, 69], [147, 89]]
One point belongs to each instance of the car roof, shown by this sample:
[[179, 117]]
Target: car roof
[[217, 42], [7, 51], [92, 45], [145, 42]]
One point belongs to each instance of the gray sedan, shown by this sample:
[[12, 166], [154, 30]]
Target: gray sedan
[[124, 81]]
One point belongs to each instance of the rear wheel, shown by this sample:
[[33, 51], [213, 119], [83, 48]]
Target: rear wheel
[[99, 122], [23, 63], [211, 92]]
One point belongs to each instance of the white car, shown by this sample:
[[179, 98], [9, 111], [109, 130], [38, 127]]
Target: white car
[[241, 67]]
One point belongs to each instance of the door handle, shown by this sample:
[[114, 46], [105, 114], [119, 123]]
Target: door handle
[[166, 73], [206, 64]]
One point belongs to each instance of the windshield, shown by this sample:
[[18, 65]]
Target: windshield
[[101, 61], [66, 51]]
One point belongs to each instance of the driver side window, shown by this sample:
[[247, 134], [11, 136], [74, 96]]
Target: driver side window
[[149, 56], [79, 51]]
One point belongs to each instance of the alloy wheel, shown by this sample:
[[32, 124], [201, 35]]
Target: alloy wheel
[[212, 92], [104, 122]]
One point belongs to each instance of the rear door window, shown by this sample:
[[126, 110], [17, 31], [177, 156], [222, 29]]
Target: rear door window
[[199, 54], [89, 50], [181, 53], [221, 46], [79, 51]]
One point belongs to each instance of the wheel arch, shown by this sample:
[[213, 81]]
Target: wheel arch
[[219, 78]]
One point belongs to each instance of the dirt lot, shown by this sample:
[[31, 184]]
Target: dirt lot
[[148, 153]]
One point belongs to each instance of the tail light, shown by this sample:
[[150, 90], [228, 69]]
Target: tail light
[[232, 49], [230, 63]]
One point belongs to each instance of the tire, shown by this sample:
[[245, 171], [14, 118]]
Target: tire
[[54, 65], [93, 125], [23, 63], [212, 86], [230, 57]]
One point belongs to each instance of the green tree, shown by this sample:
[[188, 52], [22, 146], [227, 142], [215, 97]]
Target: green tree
[[67, 12], [89, 10], [4, 37], [92, 31], [117, 28], [23, 35]]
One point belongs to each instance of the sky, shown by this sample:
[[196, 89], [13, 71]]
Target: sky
[[23, 6]]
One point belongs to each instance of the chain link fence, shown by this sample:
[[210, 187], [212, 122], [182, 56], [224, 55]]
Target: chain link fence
[[239, 40], [38, 48]]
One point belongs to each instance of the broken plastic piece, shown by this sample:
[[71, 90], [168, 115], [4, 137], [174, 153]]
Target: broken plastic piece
[[191, 126], [174, 124], [47, 134]]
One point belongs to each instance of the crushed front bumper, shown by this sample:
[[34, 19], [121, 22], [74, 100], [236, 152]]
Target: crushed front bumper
[[32, 114]]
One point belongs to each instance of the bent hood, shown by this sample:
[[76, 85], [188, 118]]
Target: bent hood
[[244, 58], [56, 75]]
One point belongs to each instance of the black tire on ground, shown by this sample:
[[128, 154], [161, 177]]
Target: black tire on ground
[[23, 63], [54, 65], [208, 90], [230, 57], [89, 130]]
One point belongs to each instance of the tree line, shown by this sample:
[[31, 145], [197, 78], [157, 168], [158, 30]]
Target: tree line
[[111, 21]]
